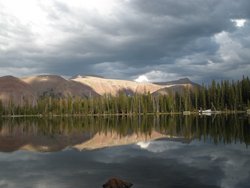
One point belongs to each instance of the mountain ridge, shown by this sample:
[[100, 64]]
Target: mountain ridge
[[30, 88], [179, 81]]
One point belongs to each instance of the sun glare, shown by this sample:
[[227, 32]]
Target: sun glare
[[25, 11], [29, 11]]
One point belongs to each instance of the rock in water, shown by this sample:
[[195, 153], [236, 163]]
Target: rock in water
[[117, 183]]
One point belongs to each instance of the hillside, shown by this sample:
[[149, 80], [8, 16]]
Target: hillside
[[112, 86], [15, 90], [57, 86], [29, 89], [175, 86], [177, 82]]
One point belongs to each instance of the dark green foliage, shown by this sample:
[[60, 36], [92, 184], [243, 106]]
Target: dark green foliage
[[222, 96]]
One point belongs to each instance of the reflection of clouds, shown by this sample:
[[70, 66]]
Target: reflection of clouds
[[42, 183], [231, 159], [160, 146], [234, 167], [18, 155], [206, 164], [143, 145]]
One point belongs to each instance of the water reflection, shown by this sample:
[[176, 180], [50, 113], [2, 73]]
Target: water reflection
[[55, 134], [170, 151]]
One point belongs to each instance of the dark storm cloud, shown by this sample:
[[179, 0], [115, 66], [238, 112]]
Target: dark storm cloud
[[141, 37]]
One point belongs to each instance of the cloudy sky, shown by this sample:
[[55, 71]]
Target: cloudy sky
[[125, 39]]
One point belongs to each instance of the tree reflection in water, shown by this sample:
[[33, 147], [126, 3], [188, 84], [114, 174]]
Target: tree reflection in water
[[58, 133]]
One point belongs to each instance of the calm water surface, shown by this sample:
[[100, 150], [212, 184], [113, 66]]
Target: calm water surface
[[150, 152]]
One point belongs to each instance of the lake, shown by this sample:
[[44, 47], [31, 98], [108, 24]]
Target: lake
[[149, 151]]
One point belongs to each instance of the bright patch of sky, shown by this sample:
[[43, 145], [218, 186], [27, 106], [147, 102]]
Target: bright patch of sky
[[239, 22]]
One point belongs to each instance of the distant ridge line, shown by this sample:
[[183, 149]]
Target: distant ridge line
[[30, 88]]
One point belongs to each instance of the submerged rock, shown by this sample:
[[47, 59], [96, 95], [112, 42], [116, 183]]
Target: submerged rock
[[117, 183]]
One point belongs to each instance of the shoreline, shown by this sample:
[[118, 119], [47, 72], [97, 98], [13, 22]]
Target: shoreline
[[126, 114]]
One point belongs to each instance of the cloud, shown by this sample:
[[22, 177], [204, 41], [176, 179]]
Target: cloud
[[160, 146], [80, 37], [160, 76], [239, 22], [142, 79]]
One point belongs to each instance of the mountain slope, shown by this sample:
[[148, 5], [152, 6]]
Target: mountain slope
[[175, 86], [29, 89], [182, 81], [16, 91], [57, 86], [111, 86]]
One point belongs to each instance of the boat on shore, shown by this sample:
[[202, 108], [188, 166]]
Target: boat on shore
[[208, 112], [248, 111], [205, 111]]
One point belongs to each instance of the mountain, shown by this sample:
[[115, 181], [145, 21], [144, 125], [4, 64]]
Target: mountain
[[16, 91], [175, 86], [182, 81], [112, 86], [57, 86], [29, 89]]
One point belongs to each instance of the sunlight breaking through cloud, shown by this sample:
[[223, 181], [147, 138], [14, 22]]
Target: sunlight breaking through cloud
[[239, 22]]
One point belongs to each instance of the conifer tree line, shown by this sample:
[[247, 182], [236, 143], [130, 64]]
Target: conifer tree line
[[224, 95]]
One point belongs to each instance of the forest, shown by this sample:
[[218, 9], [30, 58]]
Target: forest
[[223, 96]]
